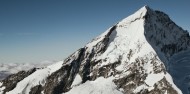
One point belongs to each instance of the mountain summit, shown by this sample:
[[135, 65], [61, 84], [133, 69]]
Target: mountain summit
[[132, 57]]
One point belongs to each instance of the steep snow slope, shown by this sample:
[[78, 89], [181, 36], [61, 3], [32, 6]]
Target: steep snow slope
[[128, 45], [99, 86], [130, 57]]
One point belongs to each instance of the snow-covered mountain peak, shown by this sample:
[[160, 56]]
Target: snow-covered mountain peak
[[131, 57], [137, 15]]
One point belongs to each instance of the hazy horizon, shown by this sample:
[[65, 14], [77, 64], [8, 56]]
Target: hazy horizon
[[47, 30]]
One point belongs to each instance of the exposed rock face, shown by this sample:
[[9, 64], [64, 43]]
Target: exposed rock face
[[36, 90], [161, 87], [135, 53], [163, 33]]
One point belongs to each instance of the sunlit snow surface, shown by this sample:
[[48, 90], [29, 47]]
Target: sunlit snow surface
[[77, 80], [10, 68], [99, 86], [128, 36], [36, 78], [1, 89]]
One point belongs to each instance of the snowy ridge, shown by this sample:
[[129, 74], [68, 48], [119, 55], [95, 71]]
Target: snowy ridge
[[132, 57], [12, 68], [34, 79], [137, 15]]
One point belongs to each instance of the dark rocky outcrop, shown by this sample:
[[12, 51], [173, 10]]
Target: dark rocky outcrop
[[11, 81], [161, 87], [36, 90]]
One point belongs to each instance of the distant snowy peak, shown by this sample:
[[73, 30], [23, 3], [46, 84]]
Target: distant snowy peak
[[131, 57]]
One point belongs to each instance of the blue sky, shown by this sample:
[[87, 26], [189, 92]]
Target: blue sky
[[38, 30]]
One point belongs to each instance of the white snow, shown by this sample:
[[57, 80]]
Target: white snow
[[55, 67], [120, 67], [97, 39], [71, 58], [141, 87], [15, 67], [139, 14], [77, 80], [151, 79], [166, 92], [36, 78], [1, 90], [129, 35], [10, 68], [123, 42], [26, 84], [99, 86]]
